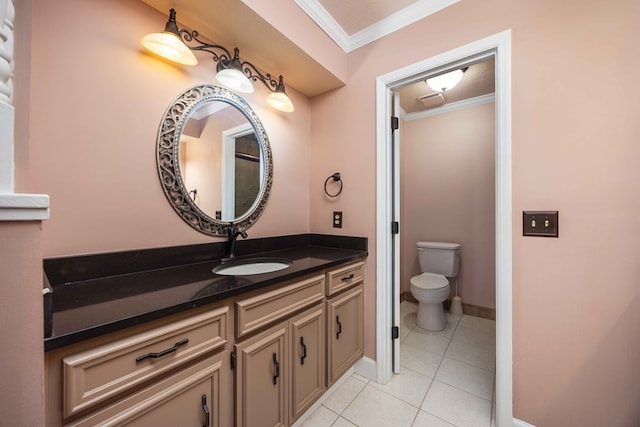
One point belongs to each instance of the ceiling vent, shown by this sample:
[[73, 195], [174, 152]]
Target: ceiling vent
[[433, 100]]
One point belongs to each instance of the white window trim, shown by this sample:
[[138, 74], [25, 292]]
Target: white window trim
[[13, 206]]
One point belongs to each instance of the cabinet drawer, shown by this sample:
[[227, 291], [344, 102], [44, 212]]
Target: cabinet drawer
[[97, 374], [345, 277], [260, 311], [178, 400]]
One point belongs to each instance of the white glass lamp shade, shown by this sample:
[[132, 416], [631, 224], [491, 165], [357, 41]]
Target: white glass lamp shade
[[280, 101], [169, 46], [445, 81], [235, 79]]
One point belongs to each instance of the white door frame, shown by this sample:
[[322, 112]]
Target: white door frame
[[500, 46], [229, 137]]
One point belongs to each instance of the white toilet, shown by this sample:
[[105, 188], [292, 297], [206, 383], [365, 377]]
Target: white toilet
[[438, 261]]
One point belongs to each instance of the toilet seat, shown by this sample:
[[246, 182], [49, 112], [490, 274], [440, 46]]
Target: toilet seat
[[429, 281]]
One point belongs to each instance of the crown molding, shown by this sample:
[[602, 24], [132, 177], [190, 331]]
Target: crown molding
[[326, 22], [388, 25], [447, 108]]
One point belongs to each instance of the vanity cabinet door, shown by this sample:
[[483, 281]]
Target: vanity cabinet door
[[345, 340], [307, 359], [261, 379], [197, 396]]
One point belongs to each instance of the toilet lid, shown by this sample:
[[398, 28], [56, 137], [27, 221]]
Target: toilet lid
[[429, 281]]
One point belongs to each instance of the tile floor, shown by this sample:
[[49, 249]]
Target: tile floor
[[447, 379]]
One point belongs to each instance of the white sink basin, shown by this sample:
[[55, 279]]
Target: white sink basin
[[244, 267]]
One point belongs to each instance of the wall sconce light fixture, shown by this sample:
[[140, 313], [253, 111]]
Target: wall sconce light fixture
[[446, 81], [174, 44]]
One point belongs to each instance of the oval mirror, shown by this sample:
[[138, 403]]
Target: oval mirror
[[214, 160]]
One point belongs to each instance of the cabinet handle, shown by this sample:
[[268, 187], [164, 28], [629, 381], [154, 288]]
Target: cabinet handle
[[205, 409], [276, 365], [163, 352], [347, 278], [304, 351], [339, 331]]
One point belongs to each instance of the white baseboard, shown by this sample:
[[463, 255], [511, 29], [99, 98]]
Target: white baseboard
[[367, 368], [520, 423]]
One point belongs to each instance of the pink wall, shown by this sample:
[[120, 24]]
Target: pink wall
[[448, 195], [575, 132], [96, 104], [21, 370]]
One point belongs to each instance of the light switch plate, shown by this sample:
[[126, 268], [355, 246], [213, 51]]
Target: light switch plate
[[540, 223]]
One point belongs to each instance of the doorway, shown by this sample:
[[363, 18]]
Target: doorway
[[388, 245]]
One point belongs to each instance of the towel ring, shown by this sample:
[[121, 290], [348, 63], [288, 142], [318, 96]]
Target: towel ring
[[335, 177]]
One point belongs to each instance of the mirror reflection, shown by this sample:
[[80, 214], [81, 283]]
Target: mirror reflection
[[214, 160], [220, 161]]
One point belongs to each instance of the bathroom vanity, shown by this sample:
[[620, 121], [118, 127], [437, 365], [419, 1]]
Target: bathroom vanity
[[244, 332], [181, 345]]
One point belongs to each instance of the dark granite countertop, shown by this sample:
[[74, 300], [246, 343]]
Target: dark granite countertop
[[95, 306]]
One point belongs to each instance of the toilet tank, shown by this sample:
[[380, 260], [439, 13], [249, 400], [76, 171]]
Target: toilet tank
[[439, 257]]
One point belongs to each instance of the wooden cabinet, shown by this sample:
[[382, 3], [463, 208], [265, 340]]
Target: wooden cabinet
[[345, 340], [280, 372], [308, 349], [284, 344], [196, 396], [150, 372], [345, 317], [261, 379], [98, 373]]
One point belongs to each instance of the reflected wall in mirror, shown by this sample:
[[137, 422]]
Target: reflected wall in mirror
[[214, 160]]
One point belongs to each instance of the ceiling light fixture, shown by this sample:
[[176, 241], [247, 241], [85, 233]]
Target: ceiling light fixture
[[173, 44], [446, 81]]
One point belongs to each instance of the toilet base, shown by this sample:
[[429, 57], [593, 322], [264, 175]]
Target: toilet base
[[431, 316]]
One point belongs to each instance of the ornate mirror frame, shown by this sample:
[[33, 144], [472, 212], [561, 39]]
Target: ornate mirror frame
[[168, 155]]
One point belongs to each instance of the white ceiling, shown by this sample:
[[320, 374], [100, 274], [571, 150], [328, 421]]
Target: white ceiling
[[355, 23]]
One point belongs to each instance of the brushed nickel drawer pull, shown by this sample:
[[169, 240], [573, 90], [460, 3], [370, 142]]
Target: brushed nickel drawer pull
[[347, 278], [163, 352]]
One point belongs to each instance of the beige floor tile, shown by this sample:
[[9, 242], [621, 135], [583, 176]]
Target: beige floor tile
[[321, 417], [408, 319], [425, 419], [454, 320], [475, 355], [456, 406], [421, 361], [408, 306], [466, 377], [478, 323], [476, 337], [405, 331], [408, 386], [452, 323], [425, 340], [341, 422], [373, 407], [344, 395], [360, 378]]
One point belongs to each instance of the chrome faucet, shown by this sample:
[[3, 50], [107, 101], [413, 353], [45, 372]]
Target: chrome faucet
[[233, 234]]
